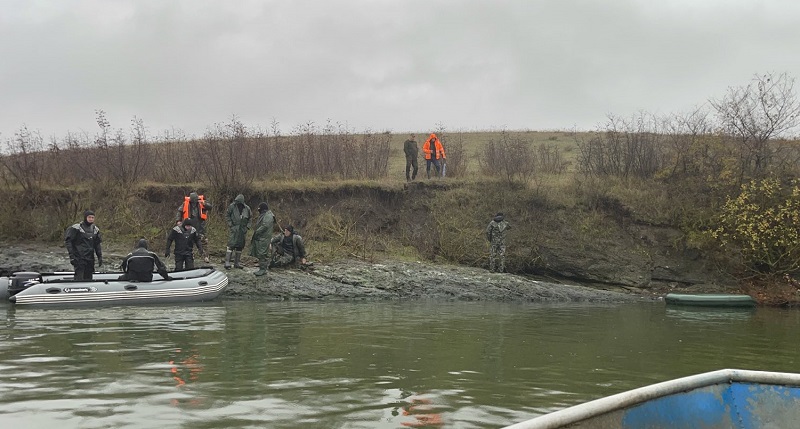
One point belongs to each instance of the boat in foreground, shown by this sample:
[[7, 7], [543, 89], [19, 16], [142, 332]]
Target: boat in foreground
[[710, 300], [58, 289], [724, 399]]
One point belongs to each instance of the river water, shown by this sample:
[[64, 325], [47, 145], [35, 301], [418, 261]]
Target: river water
[[245, 364]]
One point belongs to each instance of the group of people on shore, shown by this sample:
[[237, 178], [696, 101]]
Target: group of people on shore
[[83, 241]]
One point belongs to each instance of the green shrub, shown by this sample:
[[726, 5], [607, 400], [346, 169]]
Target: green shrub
[[762, 224]]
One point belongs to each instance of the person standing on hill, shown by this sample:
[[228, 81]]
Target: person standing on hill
[[185, 237], [262, 235], [196, 207], [412, 153], [83, 242], [496, 234], [238, 219], [434, 154]]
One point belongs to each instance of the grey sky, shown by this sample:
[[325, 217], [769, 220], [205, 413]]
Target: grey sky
[[380, 65]]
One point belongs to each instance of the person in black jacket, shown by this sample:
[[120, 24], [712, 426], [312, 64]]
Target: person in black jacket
[[139, 264], [83, 242], [185, 237]]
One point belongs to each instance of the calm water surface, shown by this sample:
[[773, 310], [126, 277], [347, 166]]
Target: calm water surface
[[359, 365]]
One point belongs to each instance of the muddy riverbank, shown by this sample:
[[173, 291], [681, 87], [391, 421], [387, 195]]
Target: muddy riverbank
[[354, 280]]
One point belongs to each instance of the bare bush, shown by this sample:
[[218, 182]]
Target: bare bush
[[627, 148], [754, 114], [173, 159], [689, 151], [118, 159], [456, 154], [549, 159], [26, 161], [225, 156], [511, 158], [375, 148], [78, 159], [335, 152]]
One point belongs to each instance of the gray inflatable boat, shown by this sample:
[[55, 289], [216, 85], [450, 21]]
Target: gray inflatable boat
[[58, 289]]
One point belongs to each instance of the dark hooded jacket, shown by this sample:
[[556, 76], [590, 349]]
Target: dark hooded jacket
[[83, 241], [496, 231], [238, 219], [140, 263], [262, 233], [184, 239]]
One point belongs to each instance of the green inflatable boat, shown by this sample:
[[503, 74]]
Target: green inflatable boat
[[710, 300]]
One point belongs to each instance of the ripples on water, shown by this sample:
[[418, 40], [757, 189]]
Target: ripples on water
[[359, 365]]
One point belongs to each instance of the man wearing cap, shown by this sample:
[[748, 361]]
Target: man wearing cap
[[196, 207], [82, 241], [288, 247], [496, 234], [139, 264]]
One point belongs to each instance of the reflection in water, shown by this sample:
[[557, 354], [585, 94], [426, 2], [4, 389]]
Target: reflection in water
[[711, 314], [359, 365]]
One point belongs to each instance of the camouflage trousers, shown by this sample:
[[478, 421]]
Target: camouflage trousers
[[497, 257], [204, 243], [281, 260]]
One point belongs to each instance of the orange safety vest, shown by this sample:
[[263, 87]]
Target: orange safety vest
[[426, 147], [202, 204]]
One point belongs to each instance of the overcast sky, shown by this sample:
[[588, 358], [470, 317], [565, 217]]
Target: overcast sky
[[395, 65]]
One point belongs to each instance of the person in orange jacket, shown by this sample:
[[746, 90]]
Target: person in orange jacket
[[434, 154]]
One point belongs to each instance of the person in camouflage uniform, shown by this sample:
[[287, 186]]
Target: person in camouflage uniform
[[238, 219], [288, 248], [496, 234]]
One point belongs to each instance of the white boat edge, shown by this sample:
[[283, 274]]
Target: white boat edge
[[199, 284], [581, 412]]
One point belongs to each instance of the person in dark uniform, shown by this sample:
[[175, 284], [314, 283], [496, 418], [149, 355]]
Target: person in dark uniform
[[83, 242], [140, 263], [185, 237]]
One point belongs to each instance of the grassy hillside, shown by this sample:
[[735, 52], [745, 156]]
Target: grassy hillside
[[347, 193]]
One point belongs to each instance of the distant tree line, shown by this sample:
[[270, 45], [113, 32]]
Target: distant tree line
[[228, 156]]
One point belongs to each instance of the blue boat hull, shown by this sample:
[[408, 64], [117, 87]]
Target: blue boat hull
[[725, 399]]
